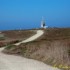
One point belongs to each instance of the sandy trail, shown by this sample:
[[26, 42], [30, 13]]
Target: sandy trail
[[32, 38], [11, 62]]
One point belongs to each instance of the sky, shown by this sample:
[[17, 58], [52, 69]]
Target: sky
[[27, 14]]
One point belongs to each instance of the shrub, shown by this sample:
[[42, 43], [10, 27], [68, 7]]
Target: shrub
[[9, 46]]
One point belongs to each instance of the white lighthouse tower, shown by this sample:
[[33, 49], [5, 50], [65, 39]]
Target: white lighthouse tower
[[43, 25]]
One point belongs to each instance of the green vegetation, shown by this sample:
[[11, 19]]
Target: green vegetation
[[8, 47], [2, 38]]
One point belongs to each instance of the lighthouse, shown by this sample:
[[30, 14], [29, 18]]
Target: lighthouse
[[43, 24]]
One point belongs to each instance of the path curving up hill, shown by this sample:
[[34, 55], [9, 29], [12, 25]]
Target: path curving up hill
[[11, 62], [32, 38]]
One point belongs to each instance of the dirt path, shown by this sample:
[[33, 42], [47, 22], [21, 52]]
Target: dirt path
[[11, 62], [32, 38]]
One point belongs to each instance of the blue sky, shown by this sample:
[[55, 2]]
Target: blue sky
[[15, 14]]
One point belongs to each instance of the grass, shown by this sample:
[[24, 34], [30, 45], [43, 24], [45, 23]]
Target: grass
[[69, 51], [8, 47], [2, 38], [51, 48], [23, 50], [22, 34]]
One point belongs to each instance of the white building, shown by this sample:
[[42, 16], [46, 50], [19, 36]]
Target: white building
[[43, 24]]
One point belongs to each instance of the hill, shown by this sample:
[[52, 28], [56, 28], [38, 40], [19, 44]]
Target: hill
[[52, 48], [13, 36]]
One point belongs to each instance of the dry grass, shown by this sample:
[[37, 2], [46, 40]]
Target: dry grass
[[13, 36], [52, 48], [18, 34]]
